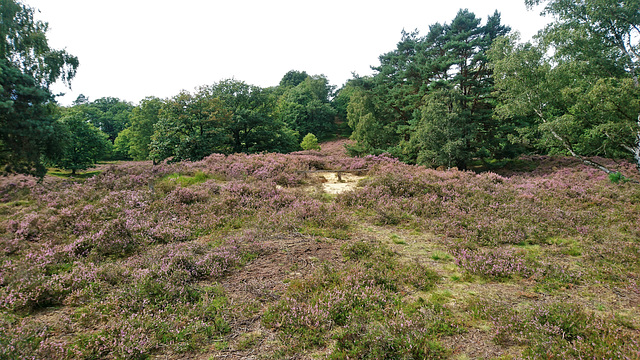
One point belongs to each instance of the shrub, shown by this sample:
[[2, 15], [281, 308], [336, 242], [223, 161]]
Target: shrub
[[310, 142]]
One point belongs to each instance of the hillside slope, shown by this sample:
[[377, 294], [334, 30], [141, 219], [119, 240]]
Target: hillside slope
[[249, 257]]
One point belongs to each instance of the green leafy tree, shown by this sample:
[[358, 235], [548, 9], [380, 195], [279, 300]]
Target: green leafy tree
[[579, 80], [310, 142], [364, 116], [28, 66], [252, 126], [110, 115], [293, 78], [27, 128], [341, 104], [143, 118], [122, 145], [442, 135], [306, 108], [448, 65], [84, 143], [190, 127]]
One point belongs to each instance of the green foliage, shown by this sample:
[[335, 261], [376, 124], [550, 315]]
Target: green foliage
[[143, 119], [252, 126], [580, 111], [227, 117], [617, 178], [84, 144], [293, 78], [190, 127], [110, 115], [310, 142], [122, 145], [371, 135], [169, 182], [28, 66], [443, 134], [27, 128], [578, 80], [306, 107], [429, 101], [23, 42]]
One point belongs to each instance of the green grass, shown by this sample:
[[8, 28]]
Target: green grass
[[64, 174]]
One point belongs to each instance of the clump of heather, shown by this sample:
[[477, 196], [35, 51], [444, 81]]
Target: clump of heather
[[565, 331], [157, 296], [20, 339], [364, 307], [285, 170], [494, 210], [500, 263], [14, 187]]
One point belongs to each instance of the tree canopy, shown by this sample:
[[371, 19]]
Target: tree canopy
[[465, 92], [430, 100], [28, 66], [578, 79]]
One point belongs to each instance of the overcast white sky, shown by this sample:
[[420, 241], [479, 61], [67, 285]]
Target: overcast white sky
[[131, 49]]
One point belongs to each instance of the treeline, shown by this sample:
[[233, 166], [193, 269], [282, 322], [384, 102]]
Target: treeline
[[467, 92], [227, 117]]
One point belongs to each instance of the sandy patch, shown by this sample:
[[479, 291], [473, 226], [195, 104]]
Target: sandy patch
[[336, 183]]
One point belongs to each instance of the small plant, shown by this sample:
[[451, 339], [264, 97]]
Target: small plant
[[617, 178], [397, 240], [310, 142], [440, 256], [357, 251]]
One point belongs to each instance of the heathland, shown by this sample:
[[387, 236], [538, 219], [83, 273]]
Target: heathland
[[318, 255]]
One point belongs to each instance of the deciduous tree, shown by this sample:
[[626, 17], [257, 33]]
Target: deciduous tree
[[84, 144], [579, 78]]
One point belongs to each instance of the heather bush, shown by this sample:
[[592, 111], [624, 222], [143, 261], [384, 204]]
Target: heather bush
[[16, 187], [564, 331], [493, 210], [493, 263], [20, 339], [363, 307]]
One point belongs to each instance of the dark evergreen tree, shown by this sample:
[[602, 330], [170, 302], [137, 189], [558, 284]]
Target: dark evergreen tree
[[28, 66], [444, 72]]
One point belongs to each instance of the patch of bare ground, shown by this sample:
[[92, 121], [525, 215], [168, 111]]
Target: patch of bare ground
[[337, 182]]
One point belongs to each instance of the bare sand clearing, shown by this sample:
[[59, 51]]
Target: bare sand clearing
[[336, 183]]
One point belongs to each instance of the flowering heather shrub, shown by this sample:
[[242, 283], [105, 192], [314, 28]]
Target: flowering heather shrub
[[20, 339], [131, 249], [142, 327], [363, 305], [154, 296], [493, 263], [565, 331], [493, 210], [14, 187], [284, 169]]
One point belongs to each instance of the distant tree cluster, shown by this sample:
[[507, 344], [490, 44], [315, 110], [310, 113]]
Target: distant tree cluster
[[466, 92]]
